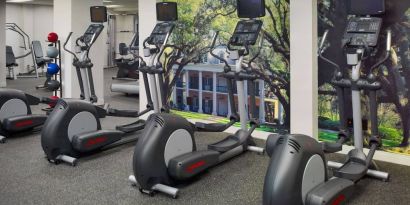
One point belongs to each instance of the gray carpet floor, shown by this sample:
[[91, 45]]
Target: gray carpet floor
[[27, 178]]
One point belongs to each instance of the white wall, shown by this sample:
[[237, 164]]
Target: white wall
[[303, 67], [147, 12], [36, 21], [124, 23], [74, 16], [2, 44]]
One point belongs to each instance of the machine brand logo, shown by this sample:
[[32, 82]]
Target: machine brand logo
[[196, 165], [98, 140], [339, 199], [24, 123]]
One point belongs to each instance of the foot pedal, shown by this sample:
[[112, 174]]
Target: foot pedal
[[329, 147], [225, 145], [133, 127], [95, 140], [353, 171], [210, 127]]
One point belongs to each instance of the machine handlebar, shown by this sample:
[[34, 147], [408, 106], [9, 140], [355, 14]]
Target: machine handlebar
[[216, 56], [388, 51], [65, 45], [322, 42], [259, 50], [321, 50]]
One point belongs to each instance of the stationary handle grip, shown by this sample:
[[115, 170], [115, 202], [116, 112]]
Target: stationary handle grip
[[388, 42], [324, 38], [388, 50], [259, 50], [320, 52], [65, 44]]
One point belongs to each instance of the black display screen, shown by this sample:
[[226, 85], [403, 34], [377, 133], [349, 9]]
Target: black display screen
[[160, 33], [251, 8], [365, 7], [167, 11], [98, 14]]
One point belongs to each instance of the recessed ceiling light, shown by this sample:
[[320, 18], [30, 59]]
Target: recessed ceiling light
[[113, 6], [18, 1]]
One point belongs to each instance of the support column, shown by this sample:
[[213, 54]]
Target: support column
[[186, 90], [214, 97], [3, 70], [280, 112], [229, 108], [246, 96], [262, 101], [147, 12], [200, 110], [303, 68], [74, 16], [174, 93]]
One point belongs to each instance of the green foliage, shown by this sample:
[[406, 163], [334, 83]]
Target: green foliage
[[327, 136], [390, 134], [197, 18], [387, 116], [328, 124]]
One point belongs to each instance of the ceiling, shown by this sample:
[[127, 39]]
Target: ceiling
[[114, 6]]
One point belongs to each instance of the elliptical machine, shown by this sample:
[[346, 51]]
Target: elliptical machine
[[73, 128], [297, 173], [15, 113], [166, 153]]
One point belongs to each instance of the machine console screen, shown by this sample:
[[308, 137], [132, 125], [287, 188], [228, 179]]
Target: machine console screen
[[361, 31], [160, 33], [94, 30], [246, 32]]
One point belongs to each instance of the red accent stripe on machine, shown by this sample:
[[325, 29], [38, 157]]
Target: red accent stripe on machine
[[24, 123], [98, 140], [339, 199], [196, 165]]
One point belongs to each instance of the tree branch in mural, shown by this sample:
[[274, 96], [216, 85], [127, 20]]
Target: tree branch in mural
[[394, 75], [273, 64]]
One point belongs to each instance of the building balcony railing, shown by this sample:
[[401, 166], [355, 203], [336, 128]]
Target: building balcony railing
[[193, 85], [207, 87], [180, 84], [222, 89]]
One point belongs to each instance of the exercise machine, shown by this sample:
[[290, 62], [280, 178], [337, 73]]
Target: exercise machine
[[30, 48], [127, 69], [297, 173], [11, 63], [15, 113], [73, 128], [166, 153]]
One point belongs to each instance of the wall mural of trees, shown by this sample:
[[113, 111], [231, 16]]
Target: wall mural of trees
[[394, 99], [198, 19]]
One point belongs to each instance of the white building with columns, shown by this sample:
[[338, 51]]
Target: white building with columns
[[202, 89]]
